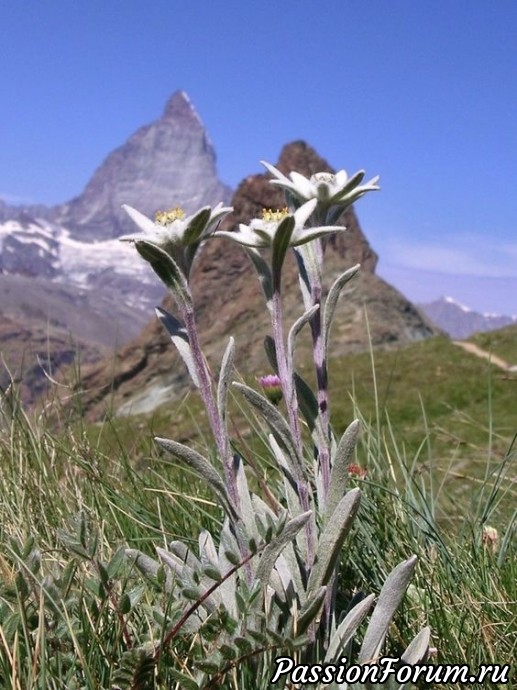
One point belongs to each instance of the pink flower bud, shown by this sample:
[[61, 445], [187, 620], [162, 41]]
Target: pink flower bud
[[272, 387]]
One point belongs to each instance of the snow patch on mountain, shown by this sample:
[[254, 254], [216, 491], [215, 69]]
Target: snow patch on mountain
[[38, 248], [451, 300]]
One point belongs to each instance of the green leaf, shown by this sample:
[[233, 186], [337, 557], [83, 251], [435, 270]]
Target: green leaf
[[191, 593], [213, 573], [167, 270], [270, 350], [124, 604], [306, 400], [116, 563], [103, 573], [208, 667], [186, 682], [227, 652], [95, 586], [197, 225], [232, 557], [28, 548], [280, 245], [243, 644], [259, 637], [71, 544], [179, 337], [22, 587]]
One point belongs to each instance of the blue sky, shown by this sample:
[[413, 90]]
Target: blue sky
[[422, 93]]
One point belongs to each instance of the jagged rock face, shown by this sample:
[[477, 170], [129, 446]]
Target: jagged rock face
[[229, 302], [170, 162]]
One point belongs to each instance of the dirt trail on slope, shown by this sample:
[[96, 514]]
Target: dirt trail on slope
[[475, 350]]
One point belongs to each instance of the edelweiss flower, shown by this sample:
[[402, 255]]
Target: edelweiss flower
[[328, 189], [261, 232], [172, 229]]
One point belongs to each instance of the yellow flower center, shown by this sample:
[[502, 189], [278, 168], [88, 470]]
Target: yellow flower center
[[167, 217], [270, 216]]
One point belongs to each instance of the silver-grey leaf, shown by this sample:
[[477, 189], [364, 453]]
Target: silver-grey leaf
[[332, 538], [224, 379], [265, 277], [295, 329], [331, 301], [179, 337], [390, 597], [276, 546], [418, 649], [245, 506], [310, 611], [339, 472], [276, 422], [203, 467], [347, 628]]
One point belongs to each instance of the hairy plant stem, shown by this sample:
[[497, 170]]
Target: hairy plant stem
[[205, 387], [320, 366], [217, 426], [286, 375]]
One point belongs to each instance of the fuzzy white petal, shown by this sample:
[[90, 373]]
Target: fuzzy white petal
[[143, 222]]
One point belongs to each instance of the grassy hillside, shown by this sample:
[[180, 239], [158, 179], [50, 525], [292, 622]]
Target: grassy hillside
[[502, 342], [448, 408], [436, 445]]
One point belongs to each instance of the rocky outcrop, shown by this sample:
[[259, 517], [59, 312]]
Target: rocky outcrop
[[229, 302], [32, 355], [170, 162]]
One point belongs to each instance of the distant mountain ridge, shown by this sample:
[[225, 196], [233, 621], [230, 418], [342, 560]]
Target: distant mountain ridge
[[65, 263], [459, 321], [73, 272], [170, 162]]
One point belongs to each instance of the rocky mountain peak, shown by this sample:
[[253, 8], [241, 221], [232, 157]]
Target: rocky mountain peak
[[170, 162], [179, 108], [300, 156]]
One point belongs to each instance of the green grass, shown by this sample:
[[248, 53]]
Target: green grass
[[437, 446], [502, 342]]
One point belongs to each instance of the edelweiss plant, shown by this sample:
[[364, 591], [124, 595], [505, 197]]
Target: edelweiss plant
[[270, 578]]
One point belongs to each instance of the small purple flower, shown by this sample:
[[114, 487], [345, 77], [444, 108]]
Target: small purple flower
[[272, 387]]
